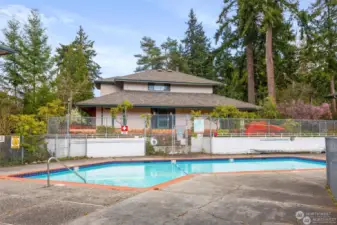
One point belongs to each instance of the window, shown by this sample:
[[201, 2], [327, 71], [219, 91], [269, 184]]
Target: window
[[158, 87]]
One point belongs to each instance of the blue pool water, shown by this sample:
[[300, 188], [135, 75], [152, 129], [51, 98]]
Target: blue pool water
[[147, 174]]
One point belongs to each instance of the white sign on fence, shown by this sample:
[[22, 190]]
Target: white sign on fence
[[199, 126], [2, 138]]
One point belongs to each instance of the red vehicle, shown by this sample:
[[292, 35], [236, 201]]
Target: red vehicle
[[262, 128]]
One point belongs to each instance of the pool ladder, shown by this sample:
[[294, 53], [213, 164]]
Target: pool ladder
[[48, 170]]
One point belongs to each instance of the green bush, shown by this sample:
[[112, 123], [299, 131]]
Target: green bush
[[39, 155], [105, 129], [149, 148], [223, 131]]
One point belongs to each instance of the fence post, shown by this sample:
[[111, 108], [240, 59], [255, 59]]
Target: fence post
[[106, 126], [145, 138], [210, 137], [86, 145], [68, 137], [172, 133], [22, 149], [56, 140], [186, 132]]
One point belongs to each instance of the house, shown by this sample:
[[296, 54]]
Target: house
[[169, 95]]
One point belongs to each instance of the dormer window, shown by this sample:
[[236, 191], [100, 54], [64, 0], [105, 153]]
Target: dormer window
[[158, 87]]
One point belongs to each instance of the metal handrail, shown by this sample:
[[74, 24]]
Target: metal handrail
[[48, 170]]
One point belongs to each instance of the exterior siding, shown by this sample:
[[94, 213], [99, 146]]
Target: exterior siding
[[174, 88], [135, 86], [109, 88], [192, 89], [103, 118], [134, 119]]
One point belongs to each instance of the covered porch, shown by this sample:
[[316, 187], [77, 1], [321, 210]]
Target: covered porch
[[162, 118]]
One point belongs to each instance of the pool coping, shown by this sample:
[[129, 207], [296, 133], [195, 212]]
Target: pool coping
[[20, 176]]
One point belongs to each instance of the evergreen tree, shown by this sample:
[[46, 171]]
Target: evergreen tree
[[87, 45], [273, 11], [173, 56], [11, 77], [151, 58], [81, 39], [197, 47], [321, 32], [286, 55], [245, 20], [228, 68], [36, 61], [73, 80]]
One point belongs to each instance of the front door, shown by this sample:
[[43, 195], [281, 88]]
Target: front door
[[163, 118]]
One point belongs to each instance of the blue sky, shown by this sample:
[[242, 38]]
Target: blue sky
[[116, 26]]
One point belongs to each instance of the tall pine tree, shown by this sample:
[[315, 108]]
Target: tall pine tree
[[273, 11], [12, 78], [82, 39], [245, 20], [152, 57], [228, 67], [73, 79], [36, 62], [173, 56], [197, 48], [321, 44]]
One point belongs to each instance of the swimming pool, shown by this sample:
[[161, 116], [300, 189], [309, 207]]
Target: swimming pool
[[150, 173]]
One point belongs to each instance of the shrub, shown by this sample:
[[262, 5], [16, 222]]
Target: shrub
[[149, 148], [300, 110], [223, 132], [291, 126], [269, 109], [105, 130]]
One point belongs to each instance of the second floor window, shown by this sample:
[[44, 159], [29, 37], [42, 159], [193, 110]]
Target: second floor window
[[158, 87]]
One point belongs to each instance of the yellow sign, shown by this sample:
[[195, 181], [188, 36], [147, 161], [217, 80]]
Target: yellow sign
[[15, 142]]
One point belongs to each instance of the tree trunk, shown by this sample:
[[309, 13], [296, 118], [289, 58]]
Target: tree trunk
[[270, 63], [250, 70], [332, 92]]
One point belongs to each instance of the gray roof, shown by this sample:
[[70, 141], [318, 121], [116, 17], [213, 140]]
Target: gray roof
[[161, 76], [4, 50], [166, 99]]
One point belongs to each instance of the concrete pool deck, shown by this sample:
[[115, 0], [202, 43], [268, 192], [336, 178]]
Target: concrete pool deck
[[252, 198]]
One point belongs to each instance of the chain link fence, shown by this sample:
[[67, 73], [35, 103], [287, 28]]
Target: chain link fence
[[179, 125], [26, 149], [162, 134], [181, 133]]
